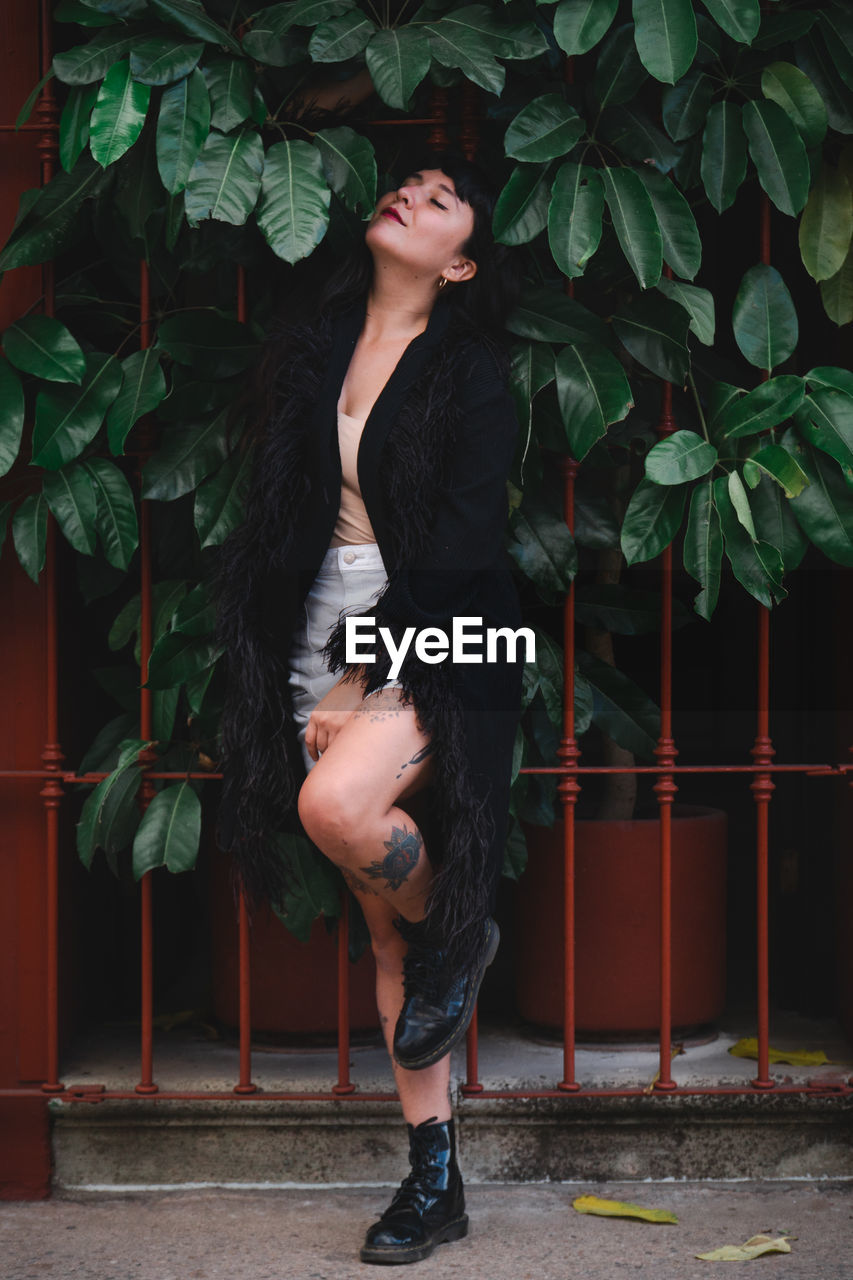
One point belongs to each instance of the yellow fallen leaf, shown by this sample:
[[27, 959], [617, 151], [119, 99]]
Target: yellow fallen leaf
[[748, 1048], [753, 1248], [621, 1209], [674, 1051]]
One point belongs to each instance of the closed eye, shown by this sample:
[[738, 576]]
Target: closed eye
[[438, 202]]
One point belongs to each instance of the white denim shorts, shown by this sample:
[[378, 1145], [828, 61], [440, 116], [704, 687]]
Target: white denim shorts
[[350, 579]]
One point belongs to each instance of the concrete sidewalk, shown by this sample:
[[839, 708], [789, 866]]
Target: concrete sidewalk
[[518, 1232]]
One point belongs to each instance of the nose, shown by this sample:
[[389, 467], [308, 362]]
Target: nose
[[404, 195]]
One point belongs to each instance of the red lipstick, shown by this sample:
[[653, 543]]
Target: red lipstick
[[391, 212]]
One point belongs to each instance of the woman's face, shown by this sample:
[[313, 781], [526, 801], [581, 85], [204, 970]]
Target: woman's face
[[423, 225]]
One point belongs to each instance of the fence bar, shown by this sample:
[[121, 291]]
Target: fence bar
[[245, 1084], [146, 757], [665, 787], [568, 790], [344, 1084], [472, 1083]]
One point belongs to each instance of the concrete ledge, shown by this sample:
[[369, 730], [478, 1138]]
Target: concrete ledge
[[155, 1144]]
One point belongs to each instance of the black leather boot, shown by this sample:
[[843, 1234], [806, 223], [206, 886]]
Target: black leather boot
[[429, 1206], [438, 1004]]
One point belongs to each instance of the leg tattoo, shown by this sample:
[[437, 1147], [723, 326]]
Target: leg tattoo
[[404, 850], [416, 758], [356, 884]]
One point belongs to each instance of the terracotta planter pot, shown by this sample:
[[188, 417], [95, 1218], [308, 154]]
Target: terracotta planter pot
[[617, 923], [294, 984]]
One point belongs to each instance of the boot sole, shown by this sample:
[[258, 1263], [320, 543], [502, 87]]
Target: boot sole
[[387, 1255], [426, 1060]]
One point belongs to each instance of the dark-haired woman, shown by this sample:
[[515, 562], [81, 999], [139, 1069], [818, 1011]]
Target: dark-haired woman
[[379, 493]]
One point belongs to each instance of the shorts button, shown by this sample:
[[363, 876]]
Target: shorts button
[[349, 556]]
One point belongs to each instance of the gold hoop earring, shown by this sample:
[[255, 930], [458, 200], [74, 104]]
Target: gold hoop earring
[[442, 282]]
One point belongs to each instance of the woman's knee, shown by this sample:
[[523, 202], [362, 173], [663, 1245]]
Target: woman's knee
[[330, 810]]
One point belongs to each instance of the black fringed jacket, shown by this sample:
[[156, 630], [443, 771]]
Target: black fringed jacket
[[433, 460]]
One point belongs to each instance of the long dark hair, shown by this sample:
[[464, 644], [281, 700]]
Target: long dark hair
[[481, 304]]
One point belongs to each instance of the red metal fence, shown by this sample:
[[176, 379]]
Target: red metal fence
[[570, 771]]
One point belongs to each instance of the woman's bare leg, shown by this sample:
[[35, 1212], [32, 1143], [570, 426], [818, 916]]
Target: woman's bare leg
[[347, 805]]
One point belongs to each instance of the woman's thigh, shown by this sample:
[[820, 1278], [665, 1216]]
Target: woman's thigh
[[379, 757]]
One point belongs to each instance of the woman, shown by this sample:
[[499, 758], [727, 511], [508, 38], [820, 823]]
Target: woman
[[379, 493]]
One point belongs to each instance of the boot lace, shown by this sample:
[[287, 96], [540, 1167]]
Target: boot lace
[[422, 968]]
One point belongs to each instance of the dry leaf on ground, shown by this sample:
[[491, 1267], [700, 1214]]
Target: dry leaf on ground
[[754, 1248], [621, 1209], [748, 1048]]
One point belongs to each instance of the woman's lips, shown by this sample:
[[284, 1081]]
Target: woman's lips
[[392, 213]]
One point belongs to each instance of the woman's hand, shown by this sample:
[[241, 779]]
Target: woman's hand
[[330, 715]]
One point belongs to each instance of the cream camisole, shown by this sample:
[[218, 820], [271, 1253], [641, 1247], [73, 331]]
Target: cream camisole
[[353, 524]]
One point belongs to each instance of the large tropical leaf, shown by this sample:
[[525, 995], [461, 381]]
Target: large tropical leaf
[[580, 24], [118, 114], [397, 61], [703, 548], [724, 157], [764, 317], [652, 520], [225, 179], [183, 124], [826, 227], [665, 34], [293, 212], [823, 510], [654, 330], [682, 247], [169, 832], [593, 392], [778, 153], [543, 129], [68, 418], [575, 217], [635, 223]]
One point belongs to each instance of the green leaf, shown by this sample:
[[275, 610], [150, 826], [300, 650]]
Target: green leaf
[[635, 223], [68, 418], [532, 369], [826, 421], [176, 657], [116, 511], [143, 387], [293, 212], [682, 456], [316, 885], [836, 294], [636, 137], [777, 463], [593, 393], [682, 247], [196, 613], [189, 16], [397, 61], [654, 330], [619, 73], [826, 226], [575, 217], [685, 105], [214, 345], [838, 33], [829, 375], [218, 501], [341, 38], [43, 346], [698, 303], [740, 19], [118, 114], [29, 534], [723, 164], [11, 416], [547, 315], [521, 211], [612, 607], [620, 707], [88, 62], [652, 520], [230, 84], [665, 34], [823, 510], [51, 215], [110, 814], [185, 457], [71, 498], [740, 502], [543, 129], [74, 123], [764, 318], [772, 402], [813, 58], [225, 179], [756, 565], [580, 24], [775, 523], [349, 164], [163, 59], [544, 550], [778, 153], [169, 832], [703, 548], [183, 124], [793, 91], [456, 41]]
